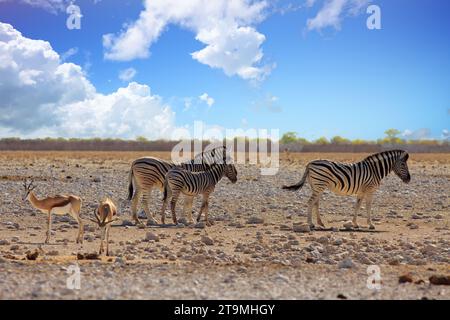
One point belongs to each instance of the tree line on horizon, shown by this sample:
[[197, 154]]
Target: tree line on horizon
[[392, 136]]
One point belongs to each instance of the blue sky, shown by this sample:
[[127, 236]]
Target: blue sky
[[310, 66]]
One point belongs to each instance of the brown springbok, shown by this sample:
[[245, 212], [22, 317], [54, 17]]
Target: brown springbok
[[104, 215], [59, 205]]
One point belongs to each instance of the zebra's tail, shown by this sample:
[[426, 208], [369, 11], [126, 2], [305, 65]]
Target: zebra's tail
[[130, 184], [300, 183]]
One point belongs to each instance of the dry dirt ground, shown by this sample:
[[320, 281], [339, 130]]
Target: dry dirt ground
[[251, 251]]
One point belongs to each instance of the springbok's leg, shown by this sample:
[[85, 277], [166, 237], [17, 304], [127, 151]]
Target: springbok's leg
[[102, 237], [80, 236], [49, 226], [369, 211], [150, 215], [134, 206], [316, 208], [188, 200], [359, 200], [107, 239], [76, 215]]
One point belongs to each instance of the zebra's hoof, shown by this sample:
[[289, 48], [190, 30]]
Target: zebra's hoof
[[371, 227]]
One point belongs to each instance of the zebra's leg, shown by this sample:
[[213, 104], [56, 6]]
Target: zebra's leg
[[369, 211], [173, 204], [207, 222], [316, 208], [134, 206], [359, 200], [150, 215], [188, 200], [204, 207], [311, 202]]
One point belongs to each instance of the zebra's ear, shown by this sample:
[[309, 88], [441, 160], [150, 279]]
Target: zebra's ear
[[406, 157]]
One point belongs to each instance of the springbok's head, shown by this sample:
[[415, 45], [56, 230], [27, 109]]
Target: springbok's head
[[102, 216], [401, 167], [28, 188]]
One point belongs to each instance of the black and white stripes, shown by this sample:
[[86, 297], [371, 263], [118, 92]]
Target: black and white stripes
[[360, 179], [147, 172], [190, 184]]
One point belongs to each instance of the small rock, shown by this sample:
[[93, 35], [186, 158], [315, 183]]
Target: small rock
[[172, 257], [4, 242], [304, 227], [199, 258], [32, 255], [347, 263], [413, 226], [53, 253], [89, 228], [405, 278], [127, 223], [255, 220], [440, 280], [97, 179], [200, 225], [341, 296], [207, 240], [348, 225], [151, 236]]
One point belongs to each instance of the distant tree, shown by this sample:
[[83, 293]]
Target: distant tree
[[392, 134], [392, 137], [289, 137], [322, 140], [361, 141], [302, 141], [340, 140], [141, 139]]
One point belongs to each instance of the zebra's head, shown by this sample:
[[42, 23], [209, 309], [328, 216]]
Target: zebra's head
[[401, 167], [230, 170]]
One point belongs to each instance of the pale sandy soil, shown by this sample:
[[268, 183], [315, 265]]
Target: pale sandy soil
[[245, 261]]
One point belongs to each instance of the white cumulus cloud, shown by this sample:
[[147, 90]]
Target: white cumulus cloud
[[207, 99], [127, 74], [333, 11], [43, 96], [226, 28], [52, 6]]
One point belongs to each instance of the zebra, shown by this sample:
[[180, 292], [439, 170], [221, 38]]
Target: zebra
[[361, 179], [191, 184], [148, 172]]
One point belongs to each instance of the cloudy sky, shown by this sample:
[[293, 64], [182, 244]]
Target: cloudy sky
[[147, 68]]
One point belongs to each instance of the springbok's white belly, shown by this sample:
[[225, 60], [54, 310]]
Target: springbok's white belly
[[62, 210]]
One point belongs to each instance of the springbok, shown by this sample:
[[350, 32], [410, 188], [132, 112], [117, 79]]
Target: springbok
[[59, 205], [104, 215]]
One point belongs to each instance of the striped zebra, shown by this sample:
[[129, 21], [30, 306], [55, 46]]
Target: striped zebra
[[192, 184], [148, 172], [361, 179]]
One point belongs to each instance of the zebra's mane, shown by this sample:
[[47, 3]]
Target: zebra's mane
[[392, 153], [208, 157]]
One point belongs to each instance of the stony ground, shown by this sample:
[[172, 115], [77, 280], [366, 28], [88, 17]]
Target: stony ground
[[251, 251]]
